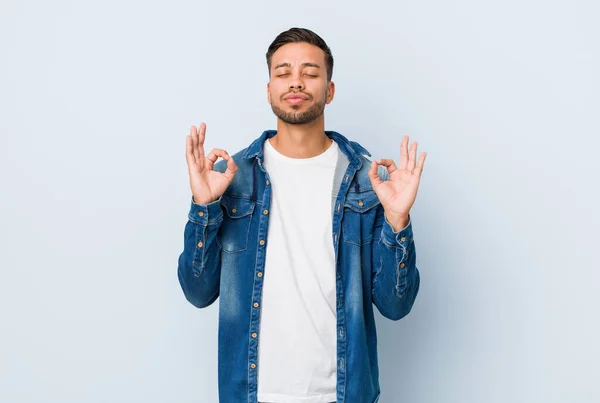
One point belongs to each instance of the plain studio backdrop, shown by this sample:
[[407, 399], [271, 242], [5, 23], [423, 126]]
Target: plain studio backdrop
[[96, 99]]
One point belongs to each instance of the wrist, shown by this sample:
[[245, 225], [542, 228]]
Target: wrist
[[397, 221], [200, 201]]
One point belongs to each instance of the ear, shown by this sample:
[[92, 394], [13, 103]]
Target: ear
[[269, 92], [330, 91]]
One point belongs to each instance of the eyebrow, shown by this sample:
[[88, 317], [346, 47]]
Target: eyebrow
[[307, 64]]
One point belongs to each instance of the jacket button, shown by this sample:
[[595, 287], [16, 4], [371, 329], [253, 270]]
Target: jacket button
[[254, 335], [401, 265], [268, 182], [259, 274], [402, 239], [200, 213], [255, 304], [360, 203], [265, 212], [262, 242], [200, 244], [253, 365]]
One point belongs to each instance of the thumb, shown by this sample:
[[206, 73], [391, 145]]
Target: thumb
[[231, 169], [374, 176]]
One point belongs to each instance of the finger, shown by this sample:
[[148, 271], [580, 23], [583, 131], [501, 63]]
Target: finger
[[419, 168], [214, 155], [412, 156], [403, 153], [389, 164], [201, 137], [373, 175], [194, 136], [231, 169], [189, 155]]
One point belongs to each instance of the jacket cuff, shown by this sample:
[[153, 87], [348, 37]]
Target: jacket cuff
[[204, 213], [400, 238]]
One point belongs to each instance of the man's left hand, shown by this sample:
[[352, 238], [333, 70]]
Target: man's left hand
[[398, 194]]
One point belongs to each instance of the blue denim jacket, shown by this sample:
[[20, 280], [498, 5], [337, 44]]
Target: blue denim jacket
[[224, 255]]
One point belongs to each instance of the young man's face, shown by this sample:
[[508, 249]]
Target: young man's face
[[299, 90]]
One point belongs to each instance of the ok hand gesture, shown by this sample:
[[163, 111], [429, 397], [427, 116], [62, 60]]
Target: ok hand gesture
[[207, 184], [398, 194]]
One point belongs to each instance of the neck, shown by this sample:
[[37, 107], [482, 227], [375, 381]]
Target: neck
[[301, 141]]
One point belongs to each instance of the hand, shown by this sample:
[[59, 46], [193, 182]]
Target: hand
[[207, 185], [398, 194]]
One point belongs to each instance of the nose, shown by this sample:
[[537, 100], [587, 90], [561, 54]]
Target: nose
[[296, 83]]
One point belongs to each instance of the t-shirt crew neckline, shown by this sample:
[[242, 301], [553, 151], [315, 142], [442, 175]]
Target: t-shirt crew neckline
[[285, 158]]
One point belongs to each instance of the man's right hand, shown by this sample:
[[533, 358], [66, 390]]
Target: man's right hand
[[207, 185]]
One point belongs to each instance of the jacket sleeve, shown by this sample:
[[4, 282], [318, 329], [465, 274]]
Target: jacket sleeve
[[199, 265], [395, 277]]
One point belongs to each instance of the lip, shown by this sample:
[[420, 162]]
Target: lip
[[295, 100]]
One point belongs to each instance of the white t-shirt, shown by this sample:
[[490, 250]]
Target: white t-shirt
[[297, 339]]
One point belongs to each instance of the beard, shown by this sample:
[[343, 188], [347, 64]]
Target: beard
[[296, 117]]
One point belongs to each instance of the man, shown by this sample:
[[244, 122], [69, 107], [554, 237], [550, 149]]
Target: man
[[299, 234]]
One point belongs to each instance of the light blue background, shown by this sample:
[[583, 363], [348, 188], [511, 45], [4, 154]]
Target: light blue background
[[96, 99]]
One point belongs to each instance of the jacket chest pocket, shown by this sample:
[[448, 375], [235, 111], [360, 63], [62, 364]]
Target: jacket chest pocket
[[360, 210], [235, 228]]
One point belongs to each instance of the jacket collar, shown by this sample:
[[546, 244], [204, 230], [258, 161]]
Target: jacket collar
[[351, 149]]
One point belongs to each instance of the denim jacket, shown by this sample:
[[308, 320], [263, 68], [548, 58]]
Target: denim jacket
[[224, 255]]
